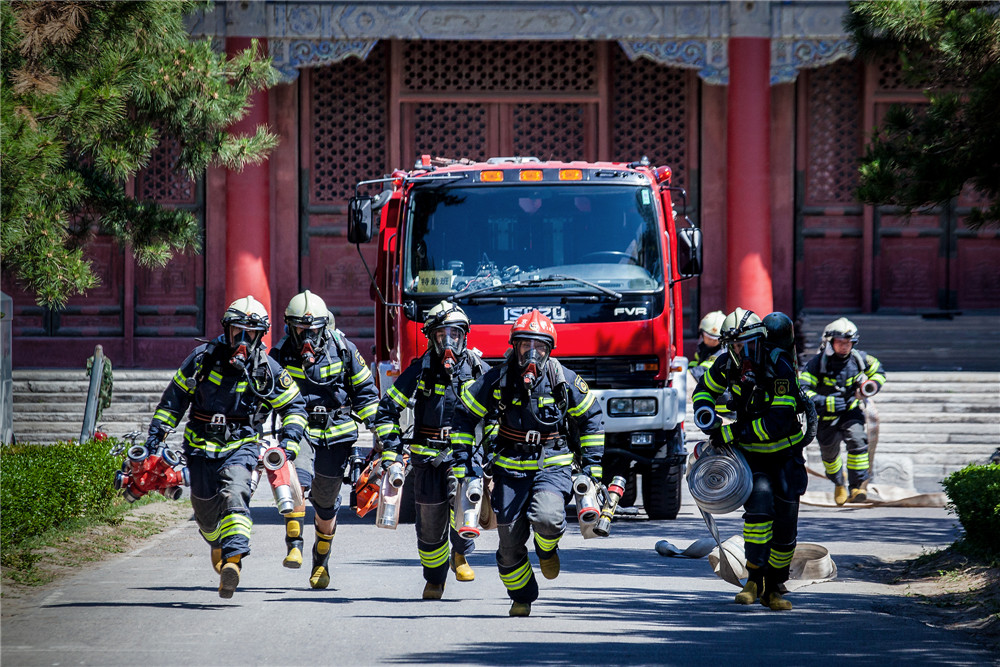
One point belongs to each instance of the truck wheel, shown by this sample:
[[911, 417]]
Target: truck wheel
[[631, 491], [408, 505], [661, 490]]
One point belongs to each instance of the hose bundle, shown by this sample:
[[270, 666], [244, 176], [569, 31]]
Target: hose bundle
[[719, 478]]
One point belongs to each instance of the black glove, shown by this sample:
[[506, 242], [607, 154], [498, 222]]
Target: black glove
[[839, 404], [153, 443]]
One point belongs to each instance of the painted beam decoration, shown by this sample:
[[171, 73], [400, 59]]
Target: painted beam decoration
[[691, 34]]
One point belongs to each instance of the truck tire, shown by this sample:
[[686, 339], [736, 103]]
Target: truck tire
[[631, 491], [661, 489]]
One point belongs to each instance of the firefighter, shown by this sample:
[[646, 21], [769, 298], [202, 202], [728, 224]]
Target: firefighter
[[334, 380], [433, 383], [767, 431], [708, 344], [837, 379], [546, 413], [230, 385]]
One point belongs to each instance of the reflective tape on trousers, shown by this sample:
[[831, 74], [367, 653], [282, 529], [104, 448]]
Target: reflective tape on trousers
[[719, 479]]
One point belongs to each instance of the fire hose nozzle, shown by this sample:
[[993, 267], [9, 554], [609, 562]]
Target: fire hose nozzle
[[274, 458], [581, 484], [869, 388], [395, 475], [704, 417], [475, 490]]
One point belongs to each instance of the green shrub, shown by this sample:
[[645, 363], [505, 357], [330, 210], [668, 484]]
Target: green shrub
[[974, 492], [42, 486]]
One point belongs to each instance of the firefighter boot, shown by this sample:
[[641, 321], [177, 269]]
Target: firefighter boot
[[520, 609], [217, 560], [549, 566], [754, 586], [859, 494], [773, 600], [293, 540], [229, 577], [320, 577], [840, 494], [433, 591], [460, 566]]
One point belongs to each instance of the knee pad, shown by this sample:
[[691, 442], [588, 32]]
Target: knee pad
[[434, 521], [548, 514], [325, 491], [760, 502]]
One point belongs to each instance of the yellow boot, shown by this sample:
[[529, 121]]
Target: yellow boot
[[433, 591], [754, 587], [293, 539], [320, 577], [859, 494], [460, 566], [840, 494], [549, 566], [520, 609], [229, 577], [217, 560], [775, 602]]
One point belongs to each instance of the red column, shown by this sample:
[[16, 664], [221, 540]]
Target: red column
[[248, 225], [748, 175]]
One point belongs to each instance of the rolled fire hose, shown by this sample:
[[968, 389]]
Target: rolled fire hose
[[719, 479]]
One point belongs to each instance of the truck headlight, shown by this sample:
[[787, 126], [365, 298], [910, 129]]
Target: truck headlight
[[644, 406], [620, 406]]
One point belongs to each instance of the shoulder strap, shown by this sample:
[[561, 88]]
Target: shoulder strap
[[475, 362], [860, 358], [204, 363]]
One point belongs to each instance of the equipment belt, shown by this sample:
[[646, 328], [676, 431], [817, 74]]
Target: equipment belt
[[526, 441], [206, 417], [442, 434]]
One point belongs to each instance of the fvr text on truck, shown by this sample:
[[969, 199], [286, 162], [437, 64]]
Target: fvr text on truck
[[592, 245]]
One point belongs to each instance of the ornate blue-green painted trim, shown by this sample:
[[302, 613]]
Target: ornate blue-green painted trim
[[289, 55]]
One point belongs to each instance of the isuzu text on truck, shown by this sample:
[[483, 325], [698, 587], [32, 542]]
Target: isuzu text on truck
[[591, 245]]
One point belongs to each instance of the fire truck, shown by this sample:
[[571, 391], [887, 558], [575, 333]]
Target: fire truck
[[595, 246]]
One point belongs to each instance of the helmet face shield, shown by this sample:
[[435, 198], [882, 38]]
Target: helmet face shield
[[750, 350]]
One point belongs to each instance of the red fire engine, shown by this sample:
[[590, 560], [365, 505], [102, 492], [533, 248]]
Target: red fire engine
[[593, 246]]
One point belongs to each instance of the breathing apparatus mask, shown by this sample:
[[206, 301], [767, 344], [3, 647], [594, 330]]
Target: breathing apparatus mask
[[242, 341], [531, 355], [448, 342], [308, 335]]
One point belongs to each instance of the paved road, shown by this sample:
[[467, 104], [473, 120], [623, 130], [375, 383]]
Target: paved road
[[617, 602]]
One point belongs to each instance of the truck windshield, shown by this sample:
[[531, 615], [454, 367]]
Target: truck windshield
[[468, 238]]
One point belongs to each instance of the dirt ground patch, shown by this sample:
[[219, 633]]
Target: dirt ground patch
[[90, 546], [952, 591]]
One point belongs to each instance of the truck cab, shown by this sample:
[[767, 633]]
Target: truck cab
[[593, 246]]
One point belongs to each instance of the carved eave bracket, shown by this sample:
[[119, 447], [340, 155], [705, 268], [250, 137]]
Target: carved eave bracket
[[711, 56]]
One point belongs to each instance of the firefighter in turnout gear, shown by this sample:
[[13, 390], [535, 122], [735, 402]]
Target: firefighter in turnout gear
[[334, 381], [766, 429], [433, 383], [230, 385], [709, 346], [546, 414], [837, 380]]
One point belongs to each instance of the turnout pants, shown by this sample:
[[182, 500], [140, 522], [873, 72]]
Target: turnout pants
[[771, 513], [220, 498], [536, 501], [435, 521], [849, 428]]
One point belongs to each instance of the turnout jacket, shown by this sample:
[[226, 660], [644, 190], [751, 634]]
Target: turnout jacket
[[225, 412], [766, 411], [339, 381], [703, 359], [434, 395], [523, 443], [832, 383]]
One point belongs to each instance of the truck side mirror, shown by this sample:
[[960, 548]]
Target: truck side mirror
[[360, 228], [689, 252]]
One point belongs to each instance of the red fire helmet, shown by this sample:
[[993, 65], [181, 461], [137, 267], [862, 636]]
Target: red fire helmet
[[534, 325]]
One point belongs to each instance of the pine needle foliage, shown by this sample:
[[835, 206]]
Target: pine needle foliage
[[923, 157], [89, 90]]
